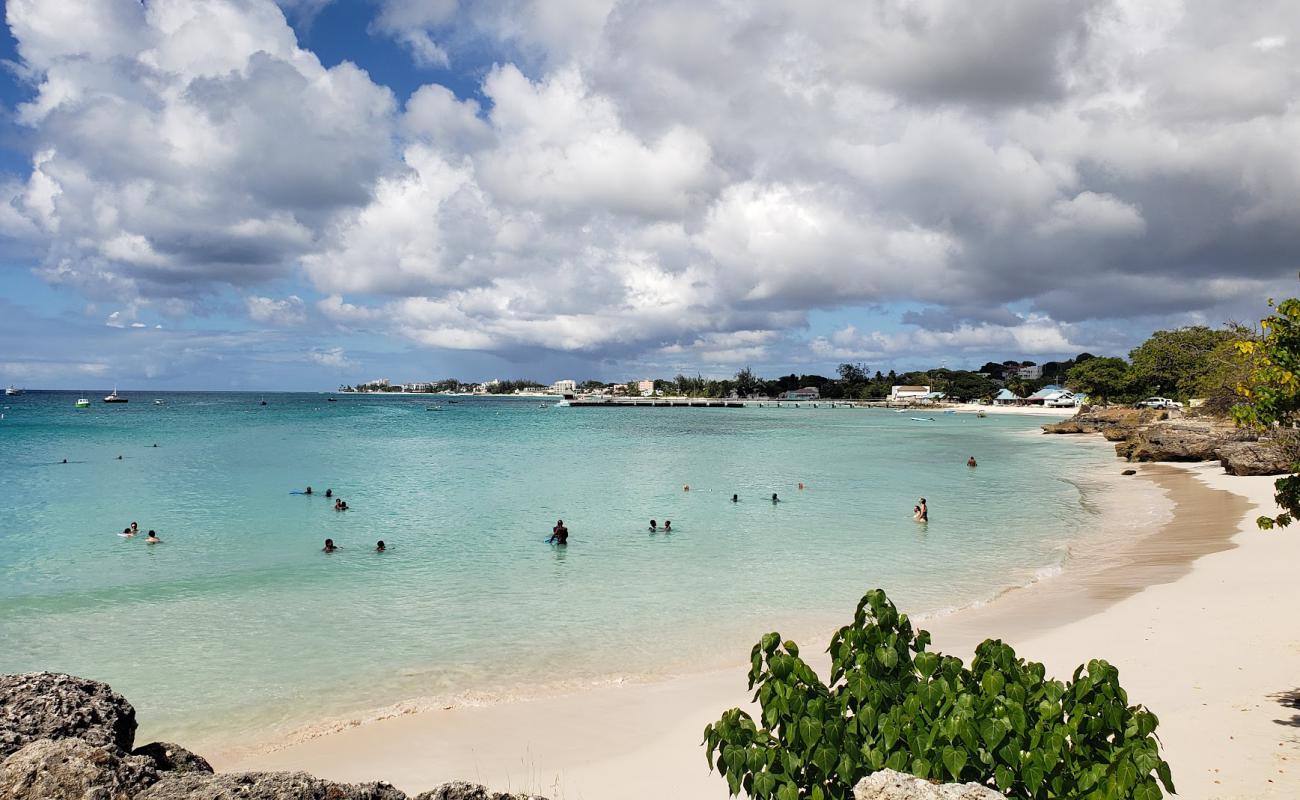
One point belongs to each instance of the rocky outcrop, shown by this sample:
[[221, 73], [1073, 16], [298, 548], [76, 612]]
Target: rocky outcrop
[[50, 705], [67, 738], [1150, 435], [173, 758], [73, 769], [1258, 458], [460, 790], [1178, 440], [890, 785], [263, 786], [1113, 423]]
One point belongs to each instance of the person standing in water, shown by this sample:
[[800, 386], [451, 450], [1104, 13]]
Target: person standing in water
[[970, 462], [654, 526], [153, 538], [920, 512], [329, 546], [379, 546], [307, 490], [735, 498], [775, 499], [668, 526], [559, 534]]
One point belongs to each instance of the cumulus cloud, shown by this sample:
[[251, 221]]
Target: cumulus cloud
[[289, 311], [673, 180]]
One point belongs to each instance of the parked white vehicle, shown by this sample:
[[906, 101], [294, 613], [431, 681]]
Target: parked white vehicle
[[1159, 402]]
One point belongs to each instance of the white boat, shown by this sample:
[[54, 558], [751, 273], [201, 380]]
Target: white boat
[[12, 390], [115, 398], [83, 403], [158, 402]]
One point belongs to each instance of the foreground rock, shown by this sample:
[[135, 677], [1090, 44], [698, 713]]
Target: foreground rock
[[50, 705], [460, 790], [72, 769], [889, 785], [1179, 440], [1258, 458], [173, 758], [263, 786]]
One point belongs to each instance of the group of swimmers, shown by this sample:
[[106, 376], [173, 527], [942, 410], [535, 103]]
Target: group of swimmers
[[130, 532], [330, 547], [339, 503]]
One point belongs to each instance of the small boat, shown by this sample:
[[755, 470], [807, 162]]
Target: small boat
[[980, 415], [432, 408], [115, 397], [82, 403], [331, 400], [12, 391], [263, 401], [922, 419], [157, 401]]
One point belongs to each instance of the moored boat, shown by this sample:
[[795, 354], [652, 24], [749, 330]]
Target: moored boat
[[115, 397], [12, 391], [82, 403]]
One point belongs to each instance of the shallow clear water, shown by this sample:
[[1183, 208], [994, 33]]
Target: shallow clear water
[[239, 621]]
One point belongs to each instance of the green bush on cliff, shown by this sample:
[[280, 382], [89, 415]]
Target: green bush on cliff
[[890, 703]]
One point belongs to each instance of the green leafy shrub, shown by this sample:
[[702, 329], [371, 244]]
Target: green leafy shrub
[[892, 703]]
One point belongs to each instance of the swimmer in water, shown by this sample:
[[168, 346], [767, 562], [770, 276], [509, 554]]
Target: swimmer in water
[[135, 528], [379, 546], [668, 526], [329, 492], [654, 526], [329, 546], [559, 534], [920, 512], [775, 499], [801, 486], [307, 490], [126, 532], [153, 538], [686, 488], [65, 461], [735, 498], [970, 462], [119, 458]]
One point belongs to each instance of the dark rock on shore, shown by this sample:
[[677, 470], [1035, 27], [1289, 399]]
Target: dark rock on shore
[[50, 705], [460, 790], [1129, 472], [73, 769], [263, 786], [173, 758]]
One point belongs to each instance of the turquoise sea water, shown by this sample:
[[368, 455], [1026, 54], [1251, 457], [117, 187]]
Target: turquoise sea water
[[240, 622]]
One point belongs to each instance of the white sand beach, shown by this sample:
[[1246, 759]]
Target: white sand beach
[[1198, 618]]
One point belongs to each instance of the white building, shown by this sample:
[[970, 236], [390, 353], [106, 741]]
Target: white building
[[564, 387], [1030, 373], [908, 392], [646, 388]]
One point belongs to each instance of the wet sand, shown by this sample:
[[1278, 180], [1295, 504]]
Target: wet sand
[[1197, 616]]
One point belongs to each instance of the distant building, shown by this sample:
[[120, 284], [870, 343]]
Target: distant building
[[1048, 392], [806, 393], [1032, 373], [646, 388], [564, 387], [1006, 397], [908, 392]]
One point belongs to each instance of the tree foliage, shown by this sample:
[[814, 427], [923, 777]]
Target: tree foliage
[[1102, 379], [1271, 397], [1174, 363], [892, 703]]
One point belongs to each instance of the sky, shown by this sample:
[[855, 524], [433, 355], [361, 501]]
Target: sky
[[245, 194]]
